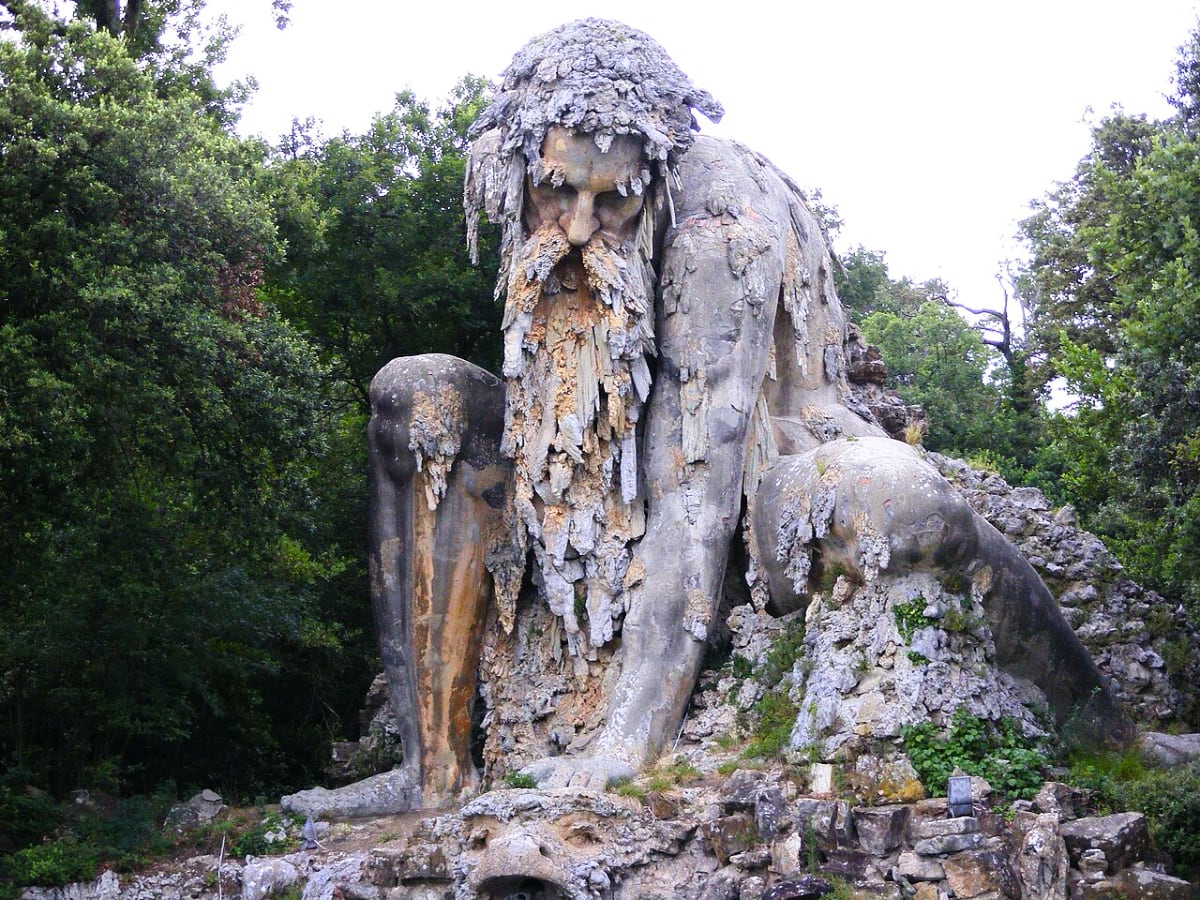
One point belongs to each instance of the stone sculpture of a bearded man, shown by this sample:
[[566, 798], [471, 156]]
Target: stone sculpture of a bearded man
[[672, 343]]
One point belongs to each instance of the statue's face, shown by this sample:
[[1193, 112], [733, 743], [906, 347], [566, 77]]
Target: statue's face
[[587, 201]]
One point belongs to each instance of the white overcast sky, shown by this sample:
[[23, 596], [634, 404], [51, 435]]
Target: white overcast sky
[[930, 125]]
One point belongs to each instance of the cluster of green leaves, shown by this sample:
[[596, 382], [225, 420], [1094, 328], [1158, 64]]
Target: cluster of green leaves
[[377, 263], [1114, 285], [775, 712], [997, 752], [975, 400], [273, 834], [1170, 799], [82, 838], [910, 616], [173, 595]]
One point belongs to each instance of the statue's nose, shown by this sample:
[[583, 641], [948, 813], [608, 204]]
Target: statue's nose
[[580, 222]]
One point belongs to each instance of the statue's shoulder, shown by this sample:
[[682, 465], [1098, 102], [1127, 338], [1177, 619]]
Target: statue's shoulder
[[741, 171]]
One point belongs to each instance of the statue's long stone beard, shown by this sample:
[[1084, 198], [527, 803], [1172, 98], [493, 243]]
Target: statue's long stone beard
[[577, 331]]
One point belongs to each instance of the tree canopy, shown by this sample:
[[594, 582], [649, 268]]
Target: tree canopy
[[1114, 289]]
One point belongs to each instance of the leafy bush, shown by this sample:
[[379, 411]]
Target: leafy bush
[[274, 834], [519, 780], [998, 752], [1170, 798]]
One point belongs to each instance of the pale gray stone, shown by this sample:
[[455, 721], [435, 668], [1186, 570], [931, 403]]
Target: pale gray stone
[[1170, 749], [946, 844], [1122, 837], [915, 867], [263, 877], [1041, 863]]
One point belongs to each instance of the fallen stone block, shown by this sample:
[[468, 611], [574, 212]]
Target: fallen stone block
[[975, 874], [880, 829], [1123, 837], [949, 843], [1170, 750], [915, 867], [1147, 884]]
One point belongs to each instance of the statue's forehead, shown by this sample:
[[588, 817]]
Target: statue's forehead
[[565, 149]]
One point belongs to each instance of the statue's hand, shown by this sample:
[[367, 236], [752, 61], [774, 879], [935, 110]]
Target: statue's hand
[[589, 773]]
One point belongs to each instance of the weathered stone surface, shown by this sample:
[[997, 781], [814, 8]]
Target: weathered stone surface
[[1060, 799], [1146, 884], [950, 843], [806, 887], [1123, 838], [974, 874], [378, 795], [263, 877], [880, 829], [731, 834], [724, 884], [1170, 749], [106, 887], [816, 817], [786, 854], [934, 828], [1041, 862], [915, 867], [201, 809], [1093, 865]]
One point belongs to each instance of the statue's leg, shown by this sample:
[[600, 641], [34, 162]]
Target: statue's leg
[[872, 505], [437, 507]]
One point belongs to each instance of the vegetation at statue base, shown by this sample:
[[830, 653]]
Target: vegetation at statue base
[[1170, 798], [996, 751]]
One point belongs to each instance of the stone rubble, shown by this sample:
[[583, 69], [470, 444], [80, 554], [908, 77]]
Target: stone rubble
[[747, 835]]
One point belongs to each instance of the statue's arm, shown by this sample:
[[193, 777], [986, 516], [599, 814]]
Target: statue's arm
[[720, 275], [438, 492]]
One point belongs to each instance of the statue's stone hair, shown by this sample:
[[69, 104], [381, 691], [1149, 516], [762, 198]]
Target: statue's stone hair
[[595, 76]]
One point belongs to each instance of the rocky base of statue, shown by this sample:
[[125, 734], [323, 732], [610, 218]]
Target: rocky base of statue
[[698, 834]]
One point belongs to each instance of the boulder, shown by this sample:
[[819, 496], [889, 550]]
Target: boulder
[[980, 872], [1041, 863], [263, 877], [880, 828], [1146, 884], [806, 887], [1123, 837], [1170, 750], [915, 867]]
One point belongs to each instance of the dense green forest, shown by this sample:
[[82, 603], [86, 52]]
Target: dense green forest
[[189, 321]]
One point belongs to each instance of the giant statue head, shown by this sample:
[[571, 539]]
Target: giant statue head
[[575, 159], [591, 77]]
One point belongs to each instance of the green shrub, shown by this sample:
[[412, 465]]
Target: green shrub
[[910, 616], [52, 864], [273, 835], [519, 780], [997, 752], [1170, 798], [776, 717]]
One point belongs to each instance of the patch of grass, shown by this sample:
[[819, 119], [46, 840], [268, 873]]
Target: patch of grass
[[627, 787], [783, 653], [519, 780], [776, 717], [728, 767]]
